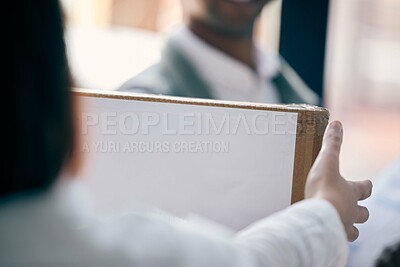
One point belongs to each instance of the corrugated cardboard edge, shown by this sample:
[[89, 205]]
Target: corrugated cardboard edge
[[311, 124]]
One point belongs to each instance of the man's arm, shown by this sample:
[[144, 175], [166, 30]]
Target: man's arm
[[310, 233]]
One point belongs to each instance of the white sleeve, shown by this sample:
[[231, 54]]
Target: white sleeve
[[307, 234]]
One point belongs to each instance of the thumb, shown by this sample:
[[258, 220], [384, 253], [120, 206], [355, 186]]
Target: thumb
[[330, 150]]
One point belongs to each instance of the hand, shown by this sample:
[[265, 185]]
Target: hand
[[324, 181]]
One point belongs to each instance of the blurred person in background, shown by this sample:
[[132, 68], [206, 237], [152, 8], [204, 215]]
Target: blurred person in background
[[214, 56], [44, 216]]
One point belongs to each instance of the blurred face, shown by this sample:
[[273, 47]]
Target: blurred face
[[230, 17]]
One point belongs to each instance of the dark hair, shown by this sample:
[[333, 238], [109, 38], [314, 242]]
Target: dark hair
[[390, 256], [38, 134]]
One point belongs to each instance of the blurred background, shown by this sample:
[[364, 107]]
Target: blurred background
[[348, 51]]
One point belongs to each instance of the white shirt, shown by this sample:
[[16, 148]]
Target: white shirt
[[228, 78], [57, 228]]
